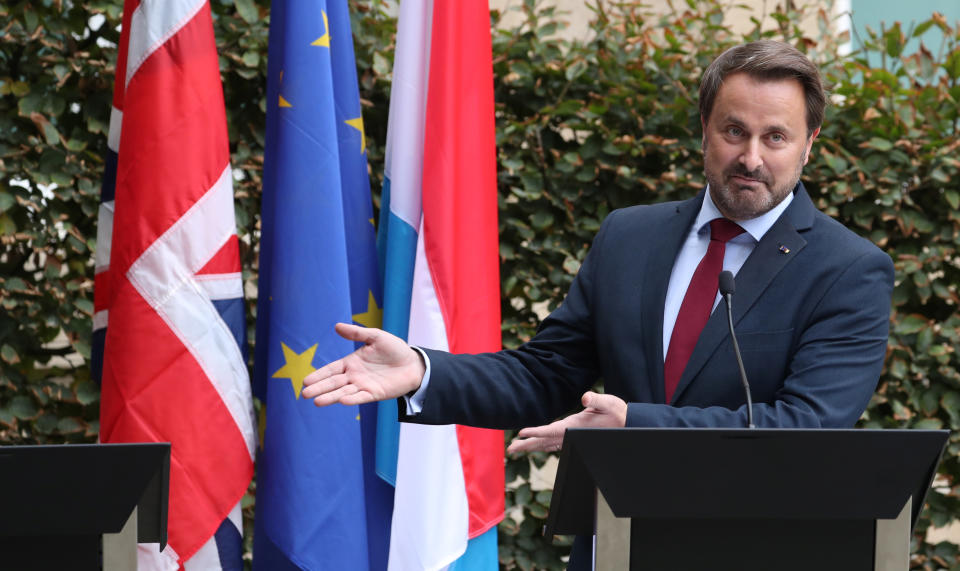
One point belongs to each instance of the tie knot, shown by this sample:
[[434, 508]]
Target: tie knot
[[723, 230]]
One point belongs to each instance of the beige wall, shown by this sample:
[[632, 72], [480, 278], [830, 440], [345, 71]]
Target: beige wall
[[737, 17]]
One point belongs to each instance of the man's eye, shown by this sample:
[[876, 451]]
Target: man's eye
[[734, 131], [777, 138]]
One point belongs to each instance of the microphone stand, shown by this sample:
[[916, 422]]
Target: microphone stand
[[726, 288]]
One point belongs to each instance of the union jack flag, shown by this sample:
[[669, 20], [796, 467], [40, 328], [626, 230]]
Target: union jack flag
[[169, 324]]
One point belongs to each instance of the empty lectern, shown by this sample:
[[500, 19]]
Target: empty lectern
[[81, 506], [744, 499]]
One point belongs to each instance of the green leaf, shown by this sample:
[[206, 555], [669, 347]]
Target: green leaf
[[897, 368], [76, 145], [82, 345], [523, 495], [87, 392], [921, 28], [928, 424], [31, 103], [924, 339], [84, 305], [952, 65], [20, 88], [541, 220], [929, 401], [611, 149], [9, 354], [836, 163], [879, 144], [381, 65], [900, 411], [51, 134], [910, 324], [7, 225], [893, 40], [953, 198], [247, 10], [22, 407], [950, 402], [575, 70], [45, 423], [538, 511], [30, 19], [251, 59], [70, 425]]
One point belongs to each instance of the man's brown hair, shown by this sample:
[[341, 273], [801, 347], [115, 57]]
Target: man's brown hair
[[766, 60]]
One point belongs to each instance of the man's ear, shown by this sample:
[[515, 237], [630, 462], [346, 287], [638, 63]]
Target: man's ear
[[703, 133], [806, 153]]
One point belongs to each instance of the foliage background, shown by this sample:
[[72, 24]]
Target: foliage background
[[582, 128]]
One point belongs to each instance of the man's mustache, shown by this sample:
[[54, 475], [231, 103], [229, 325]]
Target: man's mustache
[[757, 174]]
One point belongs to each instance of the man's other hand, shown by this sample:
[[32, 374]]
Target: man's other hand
[[384, 368], [600, 411]]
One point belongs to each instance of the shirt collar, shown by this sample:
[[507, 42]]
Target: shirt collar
[[755, 227]]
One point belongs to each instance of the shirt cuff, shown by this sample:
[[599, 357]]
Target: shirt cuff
[[414, 401]]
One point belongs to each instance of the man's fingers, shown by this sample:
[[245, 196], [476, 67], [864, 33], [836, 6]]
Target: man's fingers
[[591, 399], [335, 396], [355, 332], [545, 431], [330, 369], [321, 386], [546, 438], [534, 445], [518, 446], [359, 397], [602, 410]]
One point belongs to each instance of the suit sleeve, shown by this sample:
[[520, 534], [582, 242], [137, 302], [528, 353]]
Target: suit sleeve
[[532, 385], [832, 373]]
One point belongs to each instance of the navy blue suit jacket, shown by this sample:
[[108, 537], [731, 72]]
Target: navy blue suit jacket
[[811, 312]]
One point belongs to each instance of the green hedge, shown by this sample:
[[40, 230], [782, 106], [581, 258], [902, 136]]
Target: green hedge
[[582, 128]]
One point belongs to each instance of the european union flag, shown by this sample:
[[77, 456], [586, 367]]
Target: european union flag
[[319, 506]]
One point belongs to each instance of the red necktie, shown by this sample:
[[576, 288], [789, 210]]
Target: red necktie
[[697, 303]]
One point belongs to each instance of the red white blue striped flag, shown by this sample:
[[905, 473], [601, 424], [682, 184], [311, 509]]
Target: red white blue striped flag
[[169, 322], [438, 232]]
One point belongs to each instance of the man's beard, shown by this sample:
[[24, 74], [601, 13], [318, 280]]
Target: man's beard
[[747, 204]]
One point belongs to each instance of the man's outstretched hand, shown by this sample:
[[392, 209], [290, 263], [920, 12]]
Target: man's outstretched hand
[[384, 368], [600, 411]]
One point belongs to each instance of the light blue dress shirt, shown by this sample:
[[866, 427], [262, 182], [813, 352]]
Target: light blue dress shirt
[[695, 247]]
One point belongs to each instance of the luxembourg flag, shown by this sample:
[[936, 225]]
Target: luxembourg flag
[[438, 243]]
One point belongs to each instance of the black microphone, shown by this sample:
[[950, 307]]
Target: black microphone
[[727, 287]]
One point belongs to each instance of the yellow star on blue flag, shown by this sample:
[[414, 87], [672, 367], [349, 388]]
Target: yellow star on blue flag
[[373, 316], [296, 367]]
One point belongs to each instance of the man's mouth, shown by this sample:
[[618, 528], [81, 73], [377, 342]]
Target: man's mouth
[[746, 180]]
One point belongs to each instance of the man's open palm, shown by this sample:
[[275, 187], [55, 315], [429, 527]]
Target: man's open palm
[[384, 368]]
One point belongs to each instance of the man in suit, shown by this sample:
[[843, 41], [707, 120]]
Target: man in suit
[[811, 308], [643, 314]]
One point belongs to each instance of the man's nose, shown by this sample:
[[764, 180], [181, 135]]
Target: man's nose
[[750, 158]]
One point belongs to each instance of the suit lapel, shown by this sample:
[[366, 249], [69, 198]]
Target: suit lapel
[[782, 242], [657, 278]]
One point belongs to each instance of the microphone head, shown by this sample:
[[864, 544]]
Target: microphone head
[[727, 285]]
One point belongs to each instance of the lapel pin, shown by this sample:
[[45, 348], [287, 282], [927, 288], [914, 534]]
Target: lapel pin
[[784, 249]]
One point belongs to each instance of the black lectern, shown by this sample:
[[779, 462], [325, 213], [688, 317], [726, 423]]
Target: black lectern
[[695, 499], [58, 502]]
